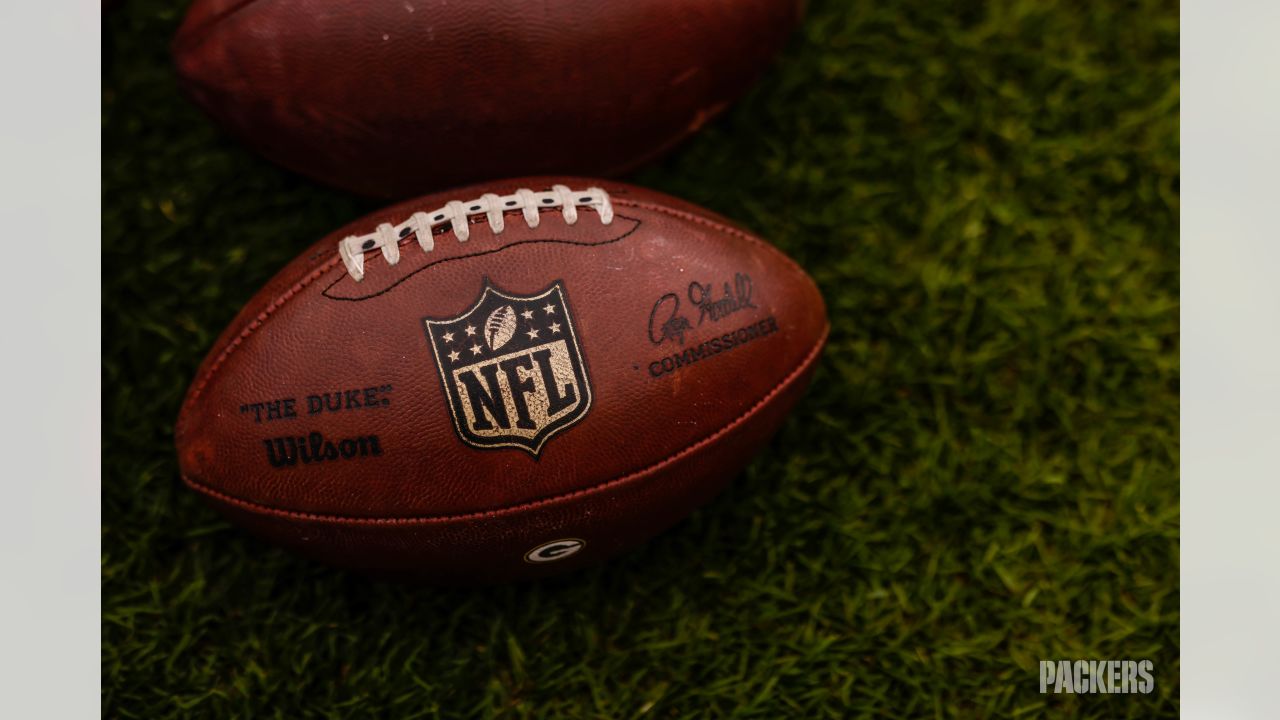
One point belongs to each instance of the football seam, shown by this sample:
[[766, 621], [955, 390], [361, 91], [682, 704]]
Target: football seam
[[257, 322], [482, 253], [702, 220], [262, 509], [319, 271]]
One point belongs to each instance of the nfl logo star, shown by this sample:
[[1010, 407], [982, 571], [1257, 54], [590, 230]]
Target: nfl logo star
[[511, 368]]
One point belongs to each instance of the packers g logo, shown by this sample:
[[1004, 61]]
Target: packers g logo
[[554, 550], [511, 368]]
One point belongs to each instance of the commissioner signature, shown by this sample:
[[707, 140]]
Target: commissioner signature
[[667, 323]]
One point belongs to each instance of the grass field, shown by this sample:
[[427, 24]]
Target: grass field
[[984, 473]]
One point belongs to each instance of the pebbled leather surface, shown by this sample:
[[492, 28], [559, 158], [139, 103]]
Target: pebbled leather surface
[[647, 451], [396, 97]]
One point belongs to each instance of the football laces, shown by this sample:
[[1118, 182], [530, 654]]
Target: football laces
[[457, 216]]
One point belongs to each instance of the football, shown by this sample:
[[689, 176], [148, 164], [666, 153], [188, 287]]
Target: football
[[503, 382], [394, 98]]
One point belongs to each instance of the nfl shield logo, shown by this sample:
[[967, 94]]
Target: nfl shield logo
[[511, 368]]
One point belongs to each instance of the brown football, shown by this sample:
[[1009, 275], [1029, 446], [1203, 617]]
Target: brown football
[[502, 382], [397, 97]]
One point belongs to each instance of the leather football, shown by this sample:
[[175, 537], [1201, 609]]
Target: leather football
[[502, 382], [397, 97]]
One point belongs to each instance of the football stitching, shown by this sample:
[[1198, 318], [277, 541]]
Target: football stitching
[[808, 360], [455, 215], [700, 220], [482, 253], [248, 330]]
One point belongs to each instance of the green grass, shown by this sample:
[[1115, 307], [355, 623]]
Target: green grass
[[983, 474]]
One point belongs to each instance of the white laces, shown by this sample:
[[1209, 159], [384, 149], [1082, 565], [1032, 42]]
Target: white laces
[[387, 237]]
